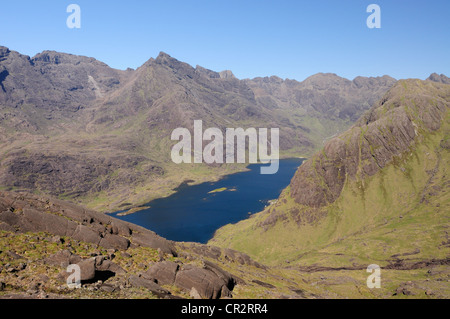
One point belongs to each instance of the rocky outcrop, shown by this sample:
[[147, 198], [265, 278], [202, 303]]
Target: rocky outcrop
[[388, 130], [138, 281], [64, 224], [209, 282], [32, 213], [164, 272], [57, 83], [439, 78]]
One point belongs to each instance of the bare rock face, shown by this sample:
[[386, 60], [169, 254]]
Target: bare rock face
[[384, 132], [205, 281], [137, 281], [62, 258], [209, 282], [164, 272], [67, 94], [24, 212], [324, 94], [87, 269], [53, 81], [439, 78]]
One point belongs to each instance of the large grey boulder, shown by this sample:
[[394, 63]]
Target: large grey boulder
[[206, 282], [87, 269], [209, 282], [163, 272]]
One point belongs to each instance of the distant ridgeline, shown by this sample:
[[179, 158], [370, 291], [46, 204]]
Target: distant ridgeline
[[70, 126]]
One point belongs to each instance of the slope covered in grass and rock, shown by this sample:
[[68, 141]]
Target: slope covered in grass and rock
[[375, 194], [41, 236]]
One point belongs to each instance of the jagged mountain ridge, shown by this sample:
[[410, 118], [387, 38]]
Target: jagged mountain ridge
[[71, 126], [57, 84]]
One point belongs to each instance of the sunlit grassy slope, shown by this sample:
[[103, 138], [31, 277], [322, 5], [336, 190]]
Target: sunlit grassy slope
[[400, 212]]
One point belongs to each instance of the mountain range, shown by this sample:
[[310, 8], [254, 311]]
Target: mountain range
[[75, 128], [373, 190]]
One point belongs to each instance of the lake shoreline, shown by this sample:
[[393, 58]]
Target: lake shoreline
[[195, 212], [186, 183]]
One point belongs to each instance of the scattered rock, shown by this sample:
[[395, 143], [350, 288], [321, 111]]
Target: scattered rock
[[403, 290], [263, 284], [126, 255], [108, 288], [15, 256], [103, 264], [62, 258], [429, 292], [114, 241], [136, 281]]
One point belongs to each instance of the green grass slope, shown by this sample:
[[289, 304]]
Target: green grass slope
[[397, 218]]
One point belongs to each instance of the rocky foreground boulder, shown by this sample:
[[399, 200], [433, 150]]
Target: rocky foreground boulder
[[112, 254], [32, 213]]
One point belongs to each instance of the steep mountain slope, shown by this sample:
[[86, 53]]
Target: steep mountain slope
[[37, 92], [323, 104], [70, 126], [376, 194]]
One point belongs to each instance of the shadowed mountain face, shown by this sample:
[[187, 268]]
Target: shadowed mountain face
[[71, 126]]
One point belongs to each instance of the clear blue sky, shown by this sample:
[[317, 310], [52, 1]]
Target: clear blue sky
[[291, 39]]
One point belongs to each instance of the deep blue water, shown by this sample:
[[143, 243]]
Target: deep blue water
[[191, 214]]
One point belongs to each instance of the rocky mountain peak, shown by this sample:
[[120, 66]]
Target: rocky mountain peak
[[55, 58], [361, 81], [4, 51], [227, 74], [52, 57], [439, 78], [178, 66], [322, 81], [164, 58]]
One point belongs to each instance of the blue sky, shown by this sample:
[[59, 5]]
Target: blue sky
[[291, 39]]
